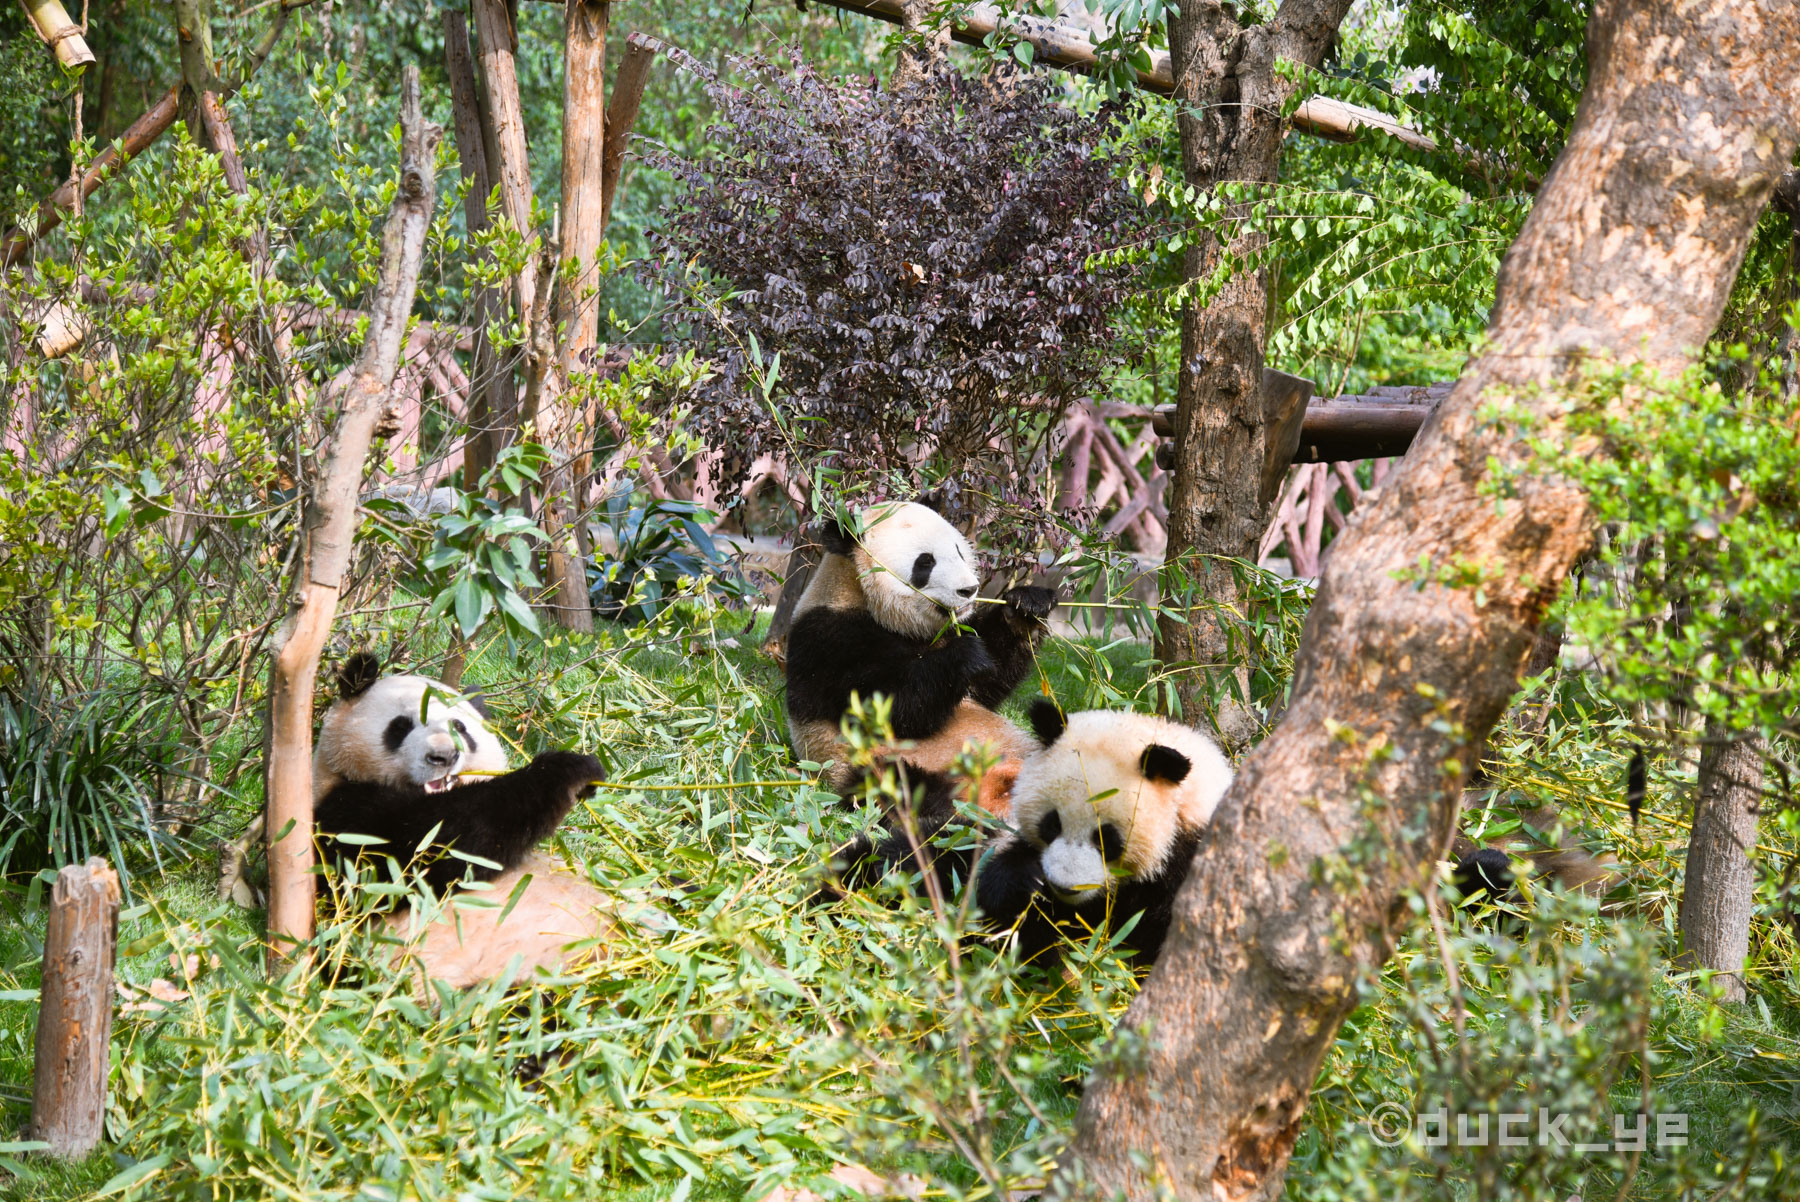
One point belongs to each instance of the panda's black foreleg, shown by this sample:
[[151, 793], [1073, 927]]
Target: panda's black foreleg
[[925, 697], [1011, 633], [832, 654], [499, 819], [868, 857], [504, 817]]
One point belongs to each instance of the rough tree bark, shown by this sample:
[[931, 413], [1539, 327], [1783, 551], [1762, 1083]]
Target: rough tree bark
[[1688, 118], [1231, 99], [362, 395], [1718, 895]]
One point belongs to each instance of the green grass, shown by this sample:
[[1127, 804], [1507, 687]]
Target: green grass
[[764, 1040]]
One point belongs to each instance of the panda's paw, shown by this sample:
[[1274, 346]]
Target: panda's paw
[[571, 770], [1029, 601]]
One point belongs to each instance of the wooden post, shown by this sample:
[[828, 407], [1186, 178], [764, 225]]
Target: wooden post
[[68, 1090]]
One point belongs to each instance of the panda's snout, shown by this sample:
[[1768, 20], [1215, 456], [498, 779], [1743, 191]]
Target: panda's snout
[[966, 593], [441, 752], [1074, 869]]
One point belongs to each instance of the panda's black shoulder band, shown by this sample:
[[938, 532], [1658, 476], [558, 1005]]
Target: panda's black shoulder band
[[1047, 720], [358, 673]]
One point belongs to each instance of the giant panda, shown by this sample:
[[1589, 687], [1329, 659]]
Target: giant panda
[[1106, 818], [881, 615], [400, 756]]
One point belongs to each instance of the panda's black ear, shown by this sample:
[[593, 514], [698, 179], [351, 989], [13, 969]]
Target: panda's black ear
[[356, 674], [478, 703], [1165, 764], [835, 537], [1047, 720], [933, 501]]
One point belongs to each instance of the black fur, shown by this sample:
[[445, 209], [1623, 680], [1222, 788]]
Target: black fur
[[1637, 783], [922, 568], [1488, 872], [1011, 633], [499, 819], [866, 858], [835, 538], [1165, 764], [1047, 720], [356, 674], [835, 652]]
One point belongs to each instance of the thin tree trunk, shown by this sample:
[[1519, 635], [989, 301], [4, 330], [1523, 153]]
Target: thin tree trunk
[[362, 397], [621, 115], [1720, 891], [489, 391], [1628, 256], [569, 432], [68, 1088], [1230, 123]]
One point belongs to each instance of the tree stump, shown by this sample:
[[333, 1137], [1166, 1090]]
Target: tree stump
[[68, 1093]]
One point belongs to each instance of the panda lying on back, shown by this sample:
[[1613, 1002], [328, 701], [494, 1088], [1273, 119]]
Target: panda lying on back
[[880, 616], [1106, 819], [397, 756]]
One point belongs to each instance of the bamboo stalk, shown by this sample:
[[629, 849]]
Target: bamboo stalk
[[60, 33]]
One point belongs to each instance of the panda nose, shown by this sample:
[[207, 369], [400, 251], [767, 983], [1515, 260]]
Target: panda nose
[[966, 592], [440, 759]]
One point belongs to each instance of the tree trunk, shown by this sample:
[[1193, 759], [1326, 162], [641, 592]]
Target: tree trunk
[[568, 432], [1230, 123], [490, 401], [68, 1087], [1719, 894], [362, 396], [1430, 602]]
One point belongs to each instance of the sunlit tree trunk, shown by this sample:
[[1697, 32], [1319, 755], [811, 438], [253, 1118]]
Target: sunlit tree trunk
[[1430, 602]]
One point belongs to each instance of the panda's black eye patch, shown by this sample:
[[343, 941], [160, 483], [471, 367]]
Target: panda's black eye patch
[[396, 732], [1050, 827], [1109, 841], [922, 567], [462, 733]]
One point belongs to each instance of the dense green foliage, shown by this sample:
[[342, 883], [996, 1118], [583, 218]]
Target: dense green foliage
[[736, 1037]]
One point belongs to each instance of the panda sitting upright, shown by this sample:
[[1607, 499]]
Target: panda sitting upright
[[881, 616], [400, 756], [1106, 819]]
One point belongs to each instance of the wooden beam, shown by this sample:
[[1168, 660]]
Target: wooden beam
[[1072, 49], [68, 1087]]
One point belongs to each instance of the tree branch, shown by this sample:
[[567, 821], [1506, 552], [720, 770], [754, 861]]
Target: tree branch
[[362, 395]]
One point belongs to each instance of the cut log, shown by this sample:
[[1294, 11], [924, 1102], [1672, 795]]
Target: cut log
[[68, 1088]]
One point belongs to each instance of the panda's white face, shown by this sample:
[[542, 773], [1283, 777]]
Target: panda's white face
[[1109, 796], [916, 569], [405, 731]]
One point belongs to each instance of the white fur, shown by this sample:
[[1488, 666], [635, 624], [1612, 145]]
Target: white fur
[[894, 536], [435, 752], [1092, 775]]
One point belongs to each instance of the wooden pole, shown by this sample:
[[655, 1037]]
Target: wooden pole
[[68, 1088], [362, 396]]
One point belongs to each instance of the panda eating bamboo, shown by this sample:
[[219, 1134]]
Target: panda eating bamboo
[[882, 615]]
